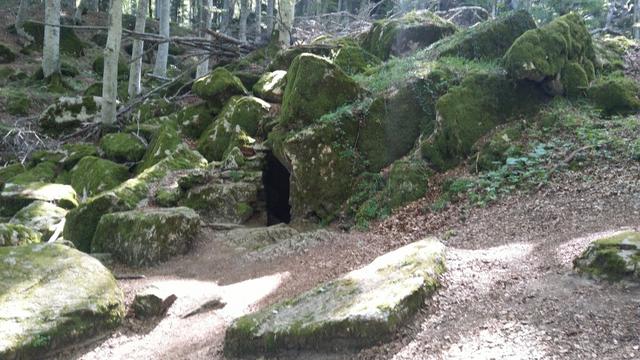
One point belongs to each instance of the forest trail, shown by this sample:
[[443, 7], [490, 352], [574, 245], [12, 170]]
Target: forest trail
[[509, 291]]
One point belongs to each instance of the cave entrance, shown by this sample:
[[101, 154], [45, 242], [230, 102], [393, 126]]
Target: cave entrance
[[276, 186]]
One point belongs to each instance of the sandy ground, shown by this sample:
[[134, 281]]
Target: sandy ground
[[509, 293]]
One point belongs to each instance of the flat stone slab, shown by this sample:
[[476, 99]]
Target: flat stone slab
[[353, 311], [53, 296], [614, 257]]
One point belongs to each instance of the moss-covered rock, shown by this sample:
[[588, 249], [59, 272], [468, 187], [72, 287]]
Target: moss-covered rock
[[574, 79], [284, 58], [355, 310], [95, 89], [123, 67], [218, 87], [315, 87], [224, 202], [615, 95], [270, 86], [498, 146], [165, 141], [408, 181], [81, 223], [470, 110], [18, 234], [614, 257], [192, 121], [122, 147], [6, 54], [610, 52], [16, 196], [75, 152], [68, 113], [40, 216], [488, 40], [53, 297], [45, 172], [152, 108], [9, 171], [542, 53], [354, 60], [93, 175], [146, 237], [70, 43], [18, 104], [415, 30]]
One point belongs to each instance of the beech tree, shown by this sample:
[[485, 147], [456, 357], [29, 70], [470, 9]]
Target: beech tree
[[111, 54], [636, 20], [160, 68], [271, 4], [244, 15], [135, 71], [286, 10], [258, 23], [203, 67], [51, 47], [20, 19]]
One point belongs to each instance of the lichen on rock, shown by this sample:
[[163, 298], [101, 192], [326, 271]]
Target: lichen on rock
[[270, 86], [93, 175], [613, 257], [40, 216], [69, 112], [18, 234], [122, 147], [218, 87]]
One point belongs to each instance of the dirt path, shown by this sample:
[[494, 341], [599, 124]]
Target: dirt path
[[509, 292]]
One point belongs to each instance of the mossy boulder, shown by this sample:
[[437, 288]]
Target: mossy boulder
[[192, 121], [498, 146], [354, 60], [470, 110], [67, 113], [45, 172], [75, 152], [146, 237], [542, 53], [270, 86], [70, 43], [18, 234], [53, 297], [18, 104], [81, 223], [16, 196], [165, 141], [218, 87], [614, 257], [122, 147], [615, 95], [40, 216], [315, 87], [488, 40], [574, 79], [408, 181], [9, 171], [284, 58], [610, 52], [225, 201], [152, 108], [123, 67], [6, 54], [93, 175], [355, 310], [397, 37]]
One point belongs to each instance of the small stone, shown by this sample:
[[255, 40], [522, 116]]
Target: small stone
[[152, 302]]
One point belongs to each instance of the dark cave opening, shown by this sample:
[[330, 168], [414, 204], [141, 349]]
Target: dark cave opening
[[276, 186]]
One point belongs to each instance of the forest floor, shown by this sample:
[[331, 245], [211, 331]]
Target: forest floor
[[509, 292]]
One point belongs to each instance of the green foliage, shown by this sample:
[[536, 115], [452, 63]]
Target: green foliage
[[615, 95]]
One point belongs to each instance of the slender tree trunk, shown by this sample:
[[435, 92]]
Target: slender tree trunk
[[160, 68], [610, 14], [244, 14], [51, 48], [258, 24], [226, 12], [20, 19], [203, 67], [111, 54], [636, 20], [135, 71], [271, 4], [286, 10]]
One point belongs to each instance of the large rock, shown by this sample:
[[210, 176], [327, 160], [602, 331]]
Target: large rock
[[271, 86], [93, 175], [224, 201], [355, 310], [17, 234], [53, 296], [398, 37], [614, 257], [541, 54], [165, 141], [315, 87], [43, 172], [615, 95], [81, 223], [40, 216], [70, 112], [489, 40], [257, 238], [122, 147], [148, 236], [354, 60], [16, 196], [218, 87]]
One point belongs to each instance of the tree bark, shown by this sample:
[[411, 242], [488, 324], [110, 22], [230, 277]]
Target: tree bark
[[203, 67], [111, 54], [160, 68], [226, 13], [20, 19], [258, 24], [51, 48], [636, 20], [244, 14], [135, 71], [285, 21], [271, 4]]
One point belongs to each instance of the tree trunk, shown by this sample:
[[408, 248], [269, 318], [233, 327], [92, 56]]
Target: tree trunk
[[20, 19], [636, 20], [111, 54], [51, 48], [160, 68], [135, 71], [258, 24], [610, 14], [226, 11], [286, 10], [203, 67], [271, 4], [244, 14]]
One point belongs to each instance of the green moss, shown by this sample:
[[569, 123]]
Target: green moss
[[6, 54], [574, 79], [123, 67], [18, 104], [9, 171], [40, 216], [122, 147], [17, 235], [75, 152], [218, 87], [164, 143], [487, 40], [152, 108], [44, 172], [615, 95], [408, 181], [610, 52], [69, 41], [400, 36], [285, 57], [68, 113], [315, 87], [500, 145], [354, 59], [95, 89], [542, 53], [93, 175], [16, 196], [271, 86], [193, 120]]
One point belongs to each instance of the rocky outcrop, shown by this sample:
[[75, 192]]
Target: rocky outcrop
[[354, 60], [69, 112], [122, 147], [614, 257], [40, 216], [147, 236], [93, 175], [218, 87], [356, 310], [615, 95], [16, 196], [271, 86], [53, 296], [18, 234]]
